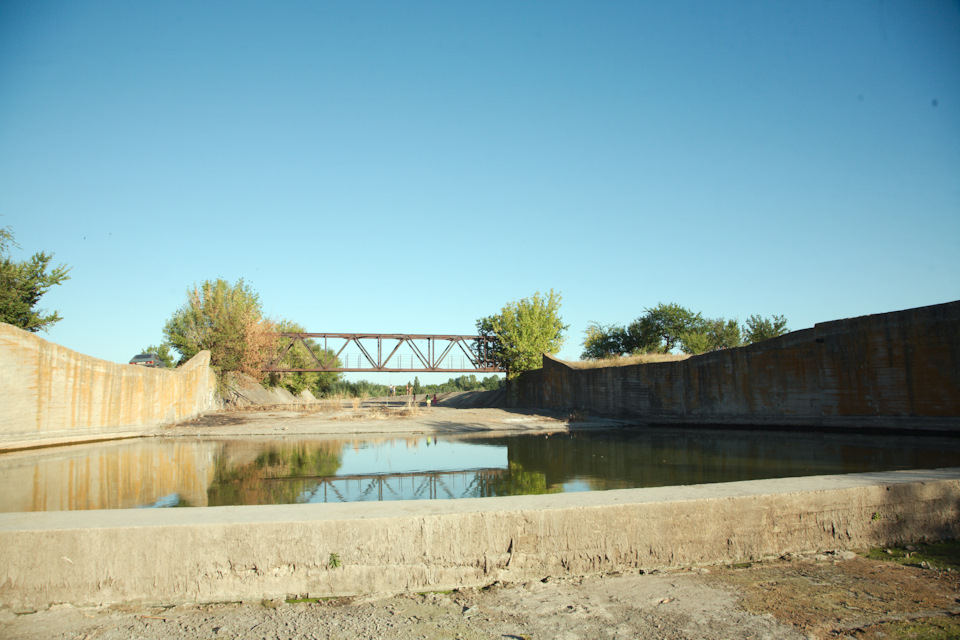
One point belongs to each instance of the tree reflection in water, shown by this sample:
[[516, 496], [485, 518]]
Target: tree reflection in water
[[246, 474], [516, 482], [251, 471], [279, 475], [291, 474]]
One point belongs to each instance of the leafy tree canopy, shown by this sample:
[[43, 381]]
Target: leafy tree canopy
[[465, 383], [671, 326], [295, 356], [603, 342], [226, 320], [367, 389], [711, 335], [524, 330], [759, 328], [662, 328], [22, 284]]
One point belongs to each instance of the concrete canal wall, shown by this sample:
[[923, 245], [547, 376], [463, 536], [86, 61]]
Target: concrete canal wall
[[250, 553], [898, 369], [50, 394]]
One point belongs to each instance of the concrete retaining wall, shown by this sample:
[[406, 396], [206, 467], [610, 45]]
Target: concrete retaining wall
[[897, 369], [50, 394], [250, 553]]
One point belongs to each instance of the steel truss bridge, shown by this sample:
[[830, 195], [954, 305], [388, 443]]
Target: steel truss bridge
[[388, 353]]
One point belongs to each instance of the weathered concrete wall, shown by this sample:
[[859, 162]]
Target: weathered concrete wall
[[50, 394], [897, 369], [250, 553]]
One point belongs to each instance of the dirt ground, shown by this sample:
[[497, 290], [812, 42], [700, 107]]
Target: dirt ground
[[380, 415], [898, 593], [807, 597]]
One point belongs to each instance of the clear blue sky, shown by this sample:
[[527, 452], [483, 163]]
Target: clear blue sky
[[410, 167]]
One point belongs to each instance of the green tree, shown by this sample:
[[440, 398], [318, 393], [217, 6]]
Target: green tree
[[467, 383], [695, 343], [416, 386], [226, 320], [464, 383], [760, 328], [296, 356], [725, 334], [662, 328], [492, 383], [524, 330], [712, 335], [358, 389], [22, 284], [603, 341]]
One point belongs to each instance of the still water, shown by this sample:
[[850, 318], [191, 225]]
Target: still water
[[172, 472]]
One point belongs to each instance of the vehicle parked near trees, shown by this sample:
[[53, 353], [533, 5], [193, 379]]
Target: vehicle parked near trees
[[148, 360]]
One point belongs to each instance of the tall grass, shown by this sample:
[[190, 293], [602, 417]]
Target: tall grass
[[334, 403], [358, 389]]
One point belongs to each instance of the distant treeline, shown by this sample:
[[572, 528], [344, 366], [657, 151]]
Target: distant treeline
[[667, 328], [367, 389]]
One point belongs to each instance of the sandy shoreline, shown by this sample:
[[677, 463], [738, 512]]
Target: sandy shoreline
[[378, 417]]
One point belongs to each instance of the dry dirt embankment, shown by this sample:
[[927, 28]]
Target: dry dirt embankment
[[455, 412]]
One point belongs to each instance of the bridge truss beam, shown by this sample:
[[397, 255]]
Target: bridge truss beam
[[432, 352]]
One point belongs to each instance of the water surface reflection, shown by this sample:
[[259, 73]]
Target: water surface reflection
[[162, 472]]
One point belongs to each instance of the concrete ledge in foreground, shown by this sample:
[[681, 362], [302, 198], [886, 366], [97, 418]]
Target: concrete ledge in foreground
[[249, 553]]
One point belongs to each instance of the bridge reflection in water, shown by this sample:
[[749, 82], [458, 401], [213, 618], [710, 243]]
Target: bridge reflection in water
[[193, 472], [199, 472], [403, 486]]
